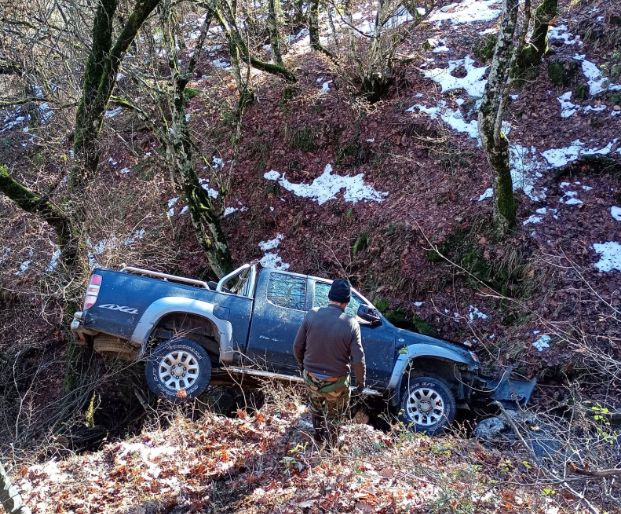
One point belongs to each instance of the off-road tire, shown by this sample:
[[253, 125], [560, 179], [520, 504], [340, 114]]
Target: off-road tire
[[427, 405], [178, 370]]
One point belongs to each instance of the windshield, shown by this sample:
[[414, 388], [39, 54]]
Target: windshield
[[320, 299]]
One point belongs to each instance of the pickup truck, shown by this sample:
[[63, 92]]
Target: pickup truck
[[246, 323]]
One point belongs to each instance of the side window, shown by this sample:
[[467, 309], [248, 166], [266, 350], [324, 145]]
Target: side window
[[321, 298], [287, 291]]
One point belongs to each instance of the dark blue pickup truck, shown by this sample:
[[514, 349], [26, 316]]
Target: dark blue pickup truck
[[247, 322]]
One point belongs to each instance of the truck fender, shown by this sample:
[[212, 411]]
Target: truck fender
[[414, 352], [172, 304]]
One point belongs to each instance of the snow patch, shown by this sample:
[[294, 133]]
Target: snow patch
[[488, 193], [453, 118], [473, 83], [53, 261], [272, 260], [473, 312], [271, 244], [610, 256], [615, 212], [526, 168], [124, 171], [222, 64], [325, 87], [204, 182], [542, 343], [417, 304], [571, 198], [327, 186], [561, 33], [558, 157], [147, 454], [171, 209], [111, 113], [597, 81], [468, 11]]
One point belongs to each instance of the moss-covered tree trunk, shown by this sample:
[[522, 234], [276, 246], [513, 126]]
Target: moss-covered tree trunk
[[531, 54], [273, 24], [494, 142], [313, 28], [100, 74], [42, 207], [206, 218]]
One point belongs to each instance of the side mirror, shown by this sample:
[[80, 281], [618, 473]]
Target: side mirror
[[369, 314]]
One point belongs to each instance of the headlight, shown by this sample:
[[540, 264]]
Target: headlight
[[474, 356]]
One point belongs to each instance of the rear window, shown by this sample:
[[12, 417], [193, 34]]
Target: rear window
[[287, 291]]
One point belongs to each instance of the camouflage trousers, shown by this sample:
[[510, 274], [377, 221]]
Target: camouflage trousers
[[328, 398]]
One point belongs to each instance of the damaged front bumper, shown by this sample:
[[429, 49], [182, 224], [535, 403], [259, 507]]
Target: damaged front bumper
[[508, 391]]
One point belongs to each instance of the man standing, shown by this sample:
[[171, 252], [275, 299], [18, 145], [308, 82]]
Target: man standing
[[326, 342]]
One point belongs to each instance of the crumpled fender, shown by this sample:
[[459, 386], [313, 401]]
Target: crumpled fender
[[416, 351]]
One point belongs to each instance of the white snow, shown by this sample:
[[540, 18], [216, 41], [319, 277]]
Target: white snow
[[111, 113], [597, 81], [327, 186], [542, 343], [371, 140], [417, 304], [272, 260], [325, 88], [473, 312], [23, 267], [571, 198], [217, 163], [488, 193], [6, 252], [453, 118], [54, 261], [271, 244], [558, 157], [610, 256], [560, 32], [526, 168], [231, 210], [473, 83], [170, 212], [124, 171], [615, 212], [204, 182], [468, 11], [567, 108], [222, 64]]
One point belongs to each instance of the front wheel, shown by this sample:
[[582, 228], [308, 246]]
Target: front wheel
[[427, 405], [178, 369]]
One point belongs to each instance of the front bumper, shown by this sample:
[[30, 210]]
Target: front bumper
[[509, 391]]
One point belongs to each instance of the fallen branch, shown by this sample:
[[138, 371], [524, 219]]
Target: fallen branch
[[594, 473]]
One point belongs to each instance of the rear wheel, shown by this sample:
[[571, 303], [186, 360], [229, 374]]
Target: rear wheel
[[178, 370], [427, 405]]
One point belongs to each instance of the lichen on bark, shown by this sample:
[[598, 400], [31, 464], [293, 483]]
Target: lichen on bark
[[494, 142], [531, 54]]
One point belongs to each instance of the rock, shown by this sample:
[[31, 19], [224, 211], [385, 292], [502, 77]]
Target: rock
[[490, 429]]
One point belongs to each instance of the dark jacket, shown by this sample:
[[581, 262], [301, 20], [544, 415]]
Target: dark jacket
[[326, 342]]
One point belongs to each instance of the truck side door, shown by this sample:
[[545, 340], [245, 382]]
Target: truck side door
[[278, 313], [378, 341]]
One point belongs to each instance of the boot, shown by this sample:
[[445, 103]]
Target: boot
[[319, 427]]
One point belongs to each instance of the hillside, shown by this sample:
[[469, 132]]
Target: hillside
[[396, 195]]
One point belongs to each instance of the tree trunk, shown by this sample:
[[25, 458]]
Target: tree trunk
[[205, 217], [313, 29], [227, 22], [530, 56], [102, 67], [36, 204], [494, 142], [9, 496], [274, 7]]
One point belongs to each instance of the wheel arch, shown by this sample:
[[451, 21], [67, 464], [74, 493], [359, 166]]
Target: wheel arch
[[185, 316], [427, 360]]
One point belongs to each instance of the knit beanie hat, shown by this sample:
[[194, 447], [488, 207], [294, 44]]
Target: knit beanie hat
[[340, 291]]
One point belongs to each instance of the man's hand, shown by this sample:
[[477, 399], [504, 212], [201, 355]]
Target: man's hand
[[301, 369]]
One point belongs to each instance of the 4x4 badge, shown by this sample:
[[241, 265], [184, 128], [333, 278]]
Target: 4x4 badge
[[122, 308]]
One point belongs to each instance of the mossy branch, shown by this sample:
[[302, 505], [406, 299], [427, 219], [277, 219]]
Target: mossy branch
[[42, 207]]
